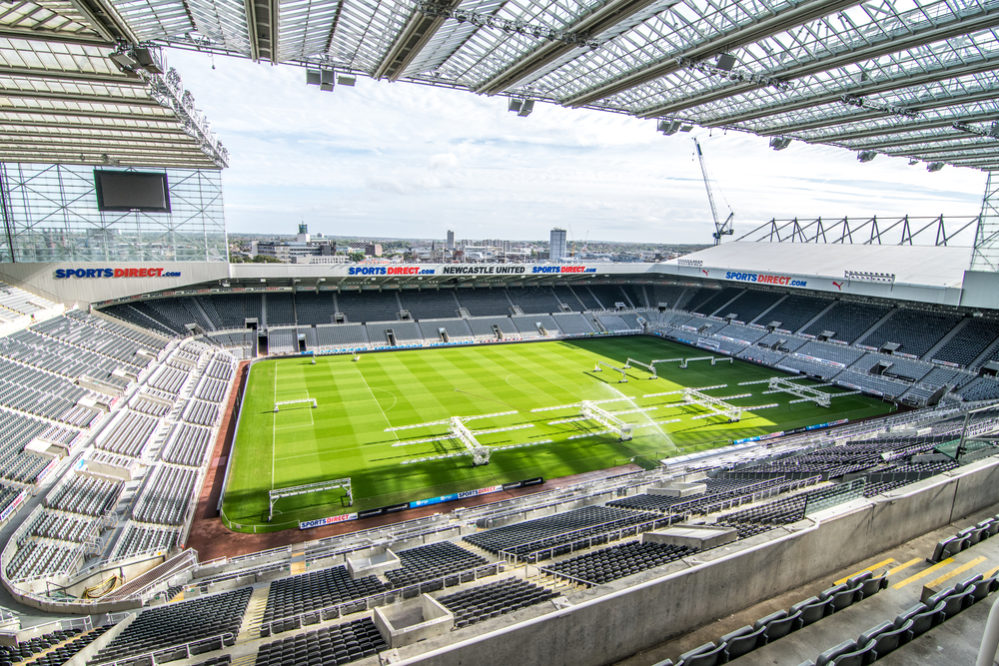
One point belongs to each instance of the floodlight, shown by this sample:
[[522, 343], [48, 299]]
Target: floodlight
[[526, 108], [124, 61], [934, 166], [145, 59], [866, 156], [668, 127], [326, 80], [725, 62], [346, 80], [780, 142], [514, 105], [312, 77]]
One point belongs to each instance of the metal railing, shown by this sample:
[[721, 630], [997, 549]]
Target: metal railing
[[171, 653], [342, 608]]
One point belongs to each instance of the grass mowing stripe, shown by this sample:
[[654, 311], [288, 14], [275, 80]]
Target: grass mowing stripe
[[357, 400]]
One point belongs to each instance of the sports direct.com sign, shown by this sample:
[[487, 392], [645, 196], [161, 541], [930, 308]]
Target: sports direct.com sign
[[766, 278], [104, 273]]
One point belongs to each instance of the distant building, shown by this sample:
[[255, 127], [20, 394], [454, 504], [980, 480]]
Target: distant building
[[299, 250], [556, 245], [450, 240], [373, 250]]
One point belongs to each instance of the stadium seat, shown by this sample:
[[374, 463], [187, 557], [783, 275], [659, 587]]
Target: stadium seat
[[708, 654], [830, 655], [781, 626], [863, 655], [744, 640], [812, 609]]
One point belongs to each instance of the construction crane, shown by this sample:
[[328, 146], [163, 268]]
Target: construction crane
[[721, 228]]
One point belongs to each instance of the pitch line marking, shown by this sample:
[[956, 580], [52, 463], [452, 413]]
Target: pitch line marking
[[375, 398], [274, 430], [882, 563], [903, 567], [956, 570], [923, 574]]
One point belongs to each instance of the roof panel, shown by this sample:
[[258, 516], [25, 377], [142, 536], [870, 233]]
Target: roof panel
[[839, 72]]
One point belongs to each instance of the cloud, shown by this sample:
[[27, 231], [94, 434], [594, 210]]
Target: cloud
[[394, 159]]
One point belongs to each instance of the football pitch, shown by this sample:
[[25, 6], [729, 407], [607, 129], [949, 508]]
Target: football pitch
[[348, 433]]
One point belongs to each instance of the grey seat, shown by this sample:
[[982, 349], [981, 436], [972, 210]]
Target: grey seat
[[831, 591], [862, 656], [949, 546], [830, 655], [888, 640], [743, 641], [814, 611], [708, 654], [782, 626], [982, 588], [846, 597], [927, 619]]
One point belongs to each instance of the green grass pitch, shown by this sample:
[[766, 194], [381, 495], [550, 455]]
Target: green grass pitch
[[346, 434]]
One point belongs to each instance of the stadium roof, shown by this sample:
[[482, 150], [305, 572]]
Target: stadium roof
[[909, 264], [912, 78], [64, 99]]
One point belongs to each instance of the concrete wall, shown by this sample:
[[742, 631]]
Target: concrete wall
[[615, 625], [981, 290]]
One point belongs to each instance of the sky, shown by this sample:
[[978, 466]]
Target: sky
[[402, 160]]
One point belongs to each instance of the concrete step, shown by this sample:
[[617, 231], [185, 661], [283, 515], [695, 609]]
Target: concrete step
[[250, 629]]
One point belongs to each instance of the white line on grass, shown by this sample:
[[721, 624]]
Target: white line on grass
[[375, 398], [274, 429]]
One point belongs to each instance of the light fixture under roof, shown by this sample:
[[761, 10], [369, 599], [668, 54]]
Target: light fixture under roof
[[780, 142]]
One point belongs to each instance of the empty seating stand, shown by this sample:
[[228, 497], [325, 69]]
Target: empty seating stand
[[164, 630], [488, 601], [889, 635], [290, 598], [23, 651], [558, 533], [430, 562], [608, 564], [340, 644]]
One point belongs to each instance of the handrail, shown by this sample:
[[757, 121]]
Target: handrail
[[128, 661], [382, 598]]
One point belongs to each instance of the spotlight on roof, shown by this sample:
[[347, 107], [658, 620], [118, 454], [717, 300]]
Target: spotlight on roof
[[146, 60], [124, 61], [913, 161], [522, 107], [668, 127], [320, 77], [934, 166], [866, 156], [346, 80], [780, 142], [725, 62]]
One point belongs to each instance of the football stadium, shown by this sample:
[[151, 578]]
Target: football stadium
[[780, 449]]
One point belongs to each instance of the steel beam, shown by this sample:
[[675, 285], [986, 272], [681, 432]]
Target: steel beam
[[599, 21], [771, 25], [893, 83], [419, 29], [906, 40]]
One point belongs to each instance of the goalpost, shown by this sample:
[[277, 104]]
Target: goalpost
[[303, 401], [309, 488]]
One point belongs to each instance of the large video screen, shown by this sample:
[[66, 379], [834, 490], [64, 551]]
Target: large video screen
[[132, 190]]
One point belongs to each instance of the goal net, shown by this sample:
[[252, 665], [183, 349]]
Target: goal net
[[309, 489], [292, 403]]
